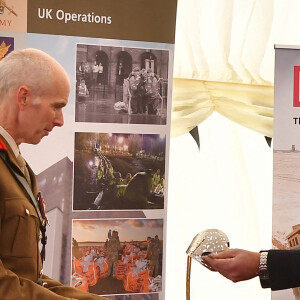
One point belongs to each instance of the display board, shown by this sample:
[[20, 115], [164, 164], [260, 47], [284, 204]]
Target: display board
[[286, 181], [104, 174]]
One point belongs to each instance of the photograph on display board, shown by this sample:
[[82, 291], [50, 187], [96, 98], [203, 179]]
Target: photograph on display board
[[286, 158], [134, 297], [286, 208], [119, 171], [121, 85], [6, 46], [117, 256]]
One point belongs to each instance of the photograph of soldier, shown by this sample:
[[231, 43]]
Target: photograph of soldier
[[117, 256], [83, 91], [113, 248], [118, 171], [126, 85], [153, 253]]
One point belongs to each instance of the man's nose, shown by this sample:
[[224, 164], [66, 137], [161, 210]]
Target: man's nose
[[59, 118]]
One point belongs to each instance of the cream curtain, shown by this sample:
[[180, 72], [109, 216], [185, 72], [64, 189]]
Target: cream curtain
[[224, 60], [248, 105]]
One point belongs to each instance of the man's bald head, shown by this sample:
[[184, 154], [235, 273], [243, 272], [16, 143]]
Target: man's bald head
[[34, 88], [30, 67]]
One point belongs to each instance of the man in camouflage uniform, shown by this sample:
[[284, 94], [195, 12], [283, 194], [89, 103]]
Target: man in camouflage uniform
[[153, 252], [113, 248]]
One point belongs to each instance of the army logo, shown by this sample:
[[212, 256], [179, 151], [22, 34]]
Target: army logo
[[6, 46], [3, 5]]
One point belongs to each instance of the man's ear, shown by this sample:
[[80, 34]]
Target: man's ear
[[23, 96]]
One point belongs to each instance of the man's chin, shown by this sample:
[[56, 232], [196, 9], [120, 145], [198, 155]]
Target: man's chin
[[37, 140], [34, 142]]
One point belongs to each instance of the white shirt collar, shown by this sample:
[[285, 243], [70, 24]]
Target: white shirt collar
[[10, 141]]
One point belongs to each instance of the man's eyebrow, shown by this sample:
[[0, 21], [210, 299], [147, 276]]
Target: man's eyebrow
[[59, 104]]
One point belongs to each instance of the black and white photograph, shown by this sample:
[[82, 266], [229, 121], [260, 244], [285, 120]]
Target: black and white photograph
[[117, 256], [121, 85], [116, 171]]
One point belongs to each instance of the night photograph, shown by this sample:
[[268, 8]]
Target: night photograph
[[119, 171]]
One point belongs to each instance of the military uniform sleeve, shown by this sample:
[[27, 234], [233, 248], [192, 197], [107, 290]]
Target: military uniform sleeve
[[13, 287]]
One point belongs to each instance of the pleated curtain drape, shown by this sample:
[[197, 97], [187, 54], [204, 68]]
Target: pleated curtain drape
[[224, 60]]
